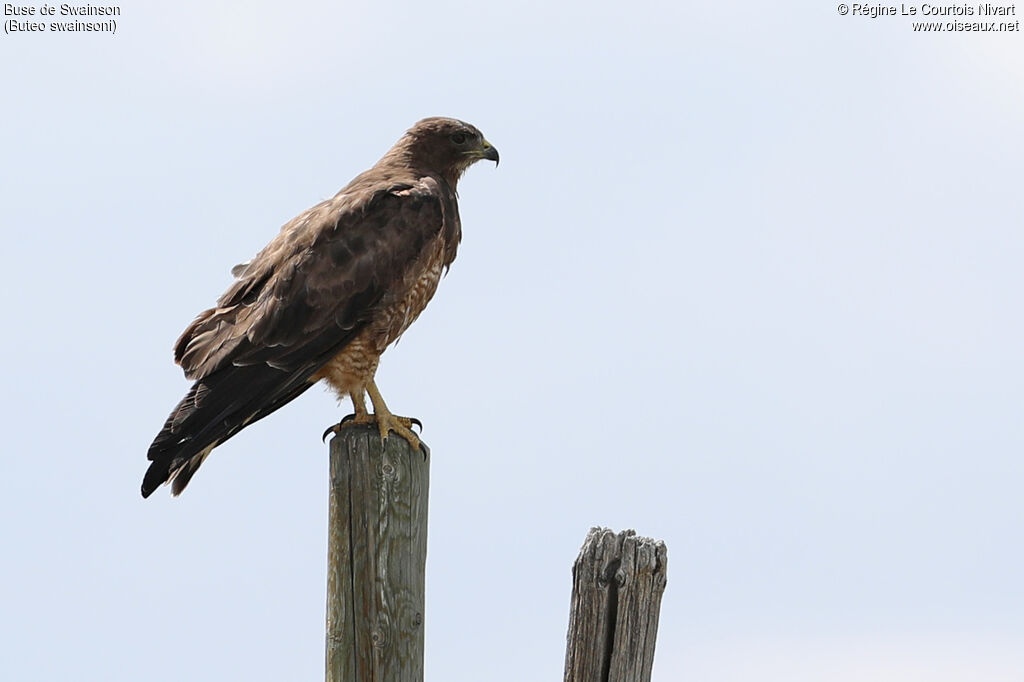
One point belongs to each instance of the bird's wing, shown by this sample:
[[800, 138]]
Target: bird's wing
[[293, 307], [316, 282]]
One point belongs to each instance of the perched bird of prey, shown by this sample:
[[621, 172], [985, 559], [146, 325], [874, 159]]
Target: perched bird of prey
[[322, 300]]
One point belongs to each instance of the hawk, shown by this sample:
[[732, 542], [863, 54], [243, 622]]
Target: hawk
[[337, 285]]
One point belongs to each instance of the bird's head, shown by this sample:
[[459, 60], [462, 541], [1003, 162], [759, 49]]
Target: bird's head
[[446, 146]]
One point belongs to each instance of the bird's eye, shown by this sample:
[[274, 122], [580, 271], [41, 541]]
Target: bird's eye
[[459, 138]]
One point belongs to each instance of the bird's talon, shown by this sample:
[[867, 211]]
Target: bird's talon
[[336, 429], [413, 421], [330, 429]]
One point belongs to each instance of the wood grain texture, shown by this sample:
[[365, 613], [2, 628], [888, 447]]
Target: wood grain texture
[[617, 584], [376, 554]]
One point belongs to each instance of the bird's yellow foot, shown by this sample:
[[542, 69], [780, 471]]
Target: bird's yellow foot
[[349, 420], [386, 423]]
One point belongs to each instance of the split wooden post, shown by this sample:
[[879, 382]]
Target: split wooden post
[[617, 584], [376, 557]]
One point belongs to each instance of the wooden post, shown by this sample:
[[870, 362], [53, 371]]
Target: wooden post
[[617, 584], [376, 558]]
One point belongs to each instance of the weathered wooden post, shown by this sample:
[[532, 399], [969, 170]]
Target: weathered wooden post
[[617, 584], [376, 558]]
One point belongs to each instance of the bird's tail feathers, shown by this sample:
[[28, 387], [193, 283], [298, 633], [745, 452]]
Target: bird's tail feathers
[[180, 476], [214, 409]]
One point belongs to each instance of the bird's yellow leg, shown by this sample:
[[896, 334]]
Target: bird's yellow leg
[[361, 416], [388, 422], [359, 405]]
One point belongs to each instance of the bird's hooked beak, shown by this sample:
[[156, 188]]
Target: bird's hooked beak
[[488, 151]]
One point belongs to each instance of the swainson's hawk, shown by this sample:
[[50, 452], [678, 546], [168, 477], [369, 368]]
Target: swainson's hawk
[[322, 300]]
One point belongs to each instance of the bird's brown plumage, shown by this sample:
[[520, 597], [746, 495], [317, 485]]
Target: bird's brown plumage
[[323, 299]]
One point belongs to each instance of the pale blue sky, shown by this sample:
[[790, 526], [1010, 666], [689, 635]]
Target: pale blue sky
[[748, 280]]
